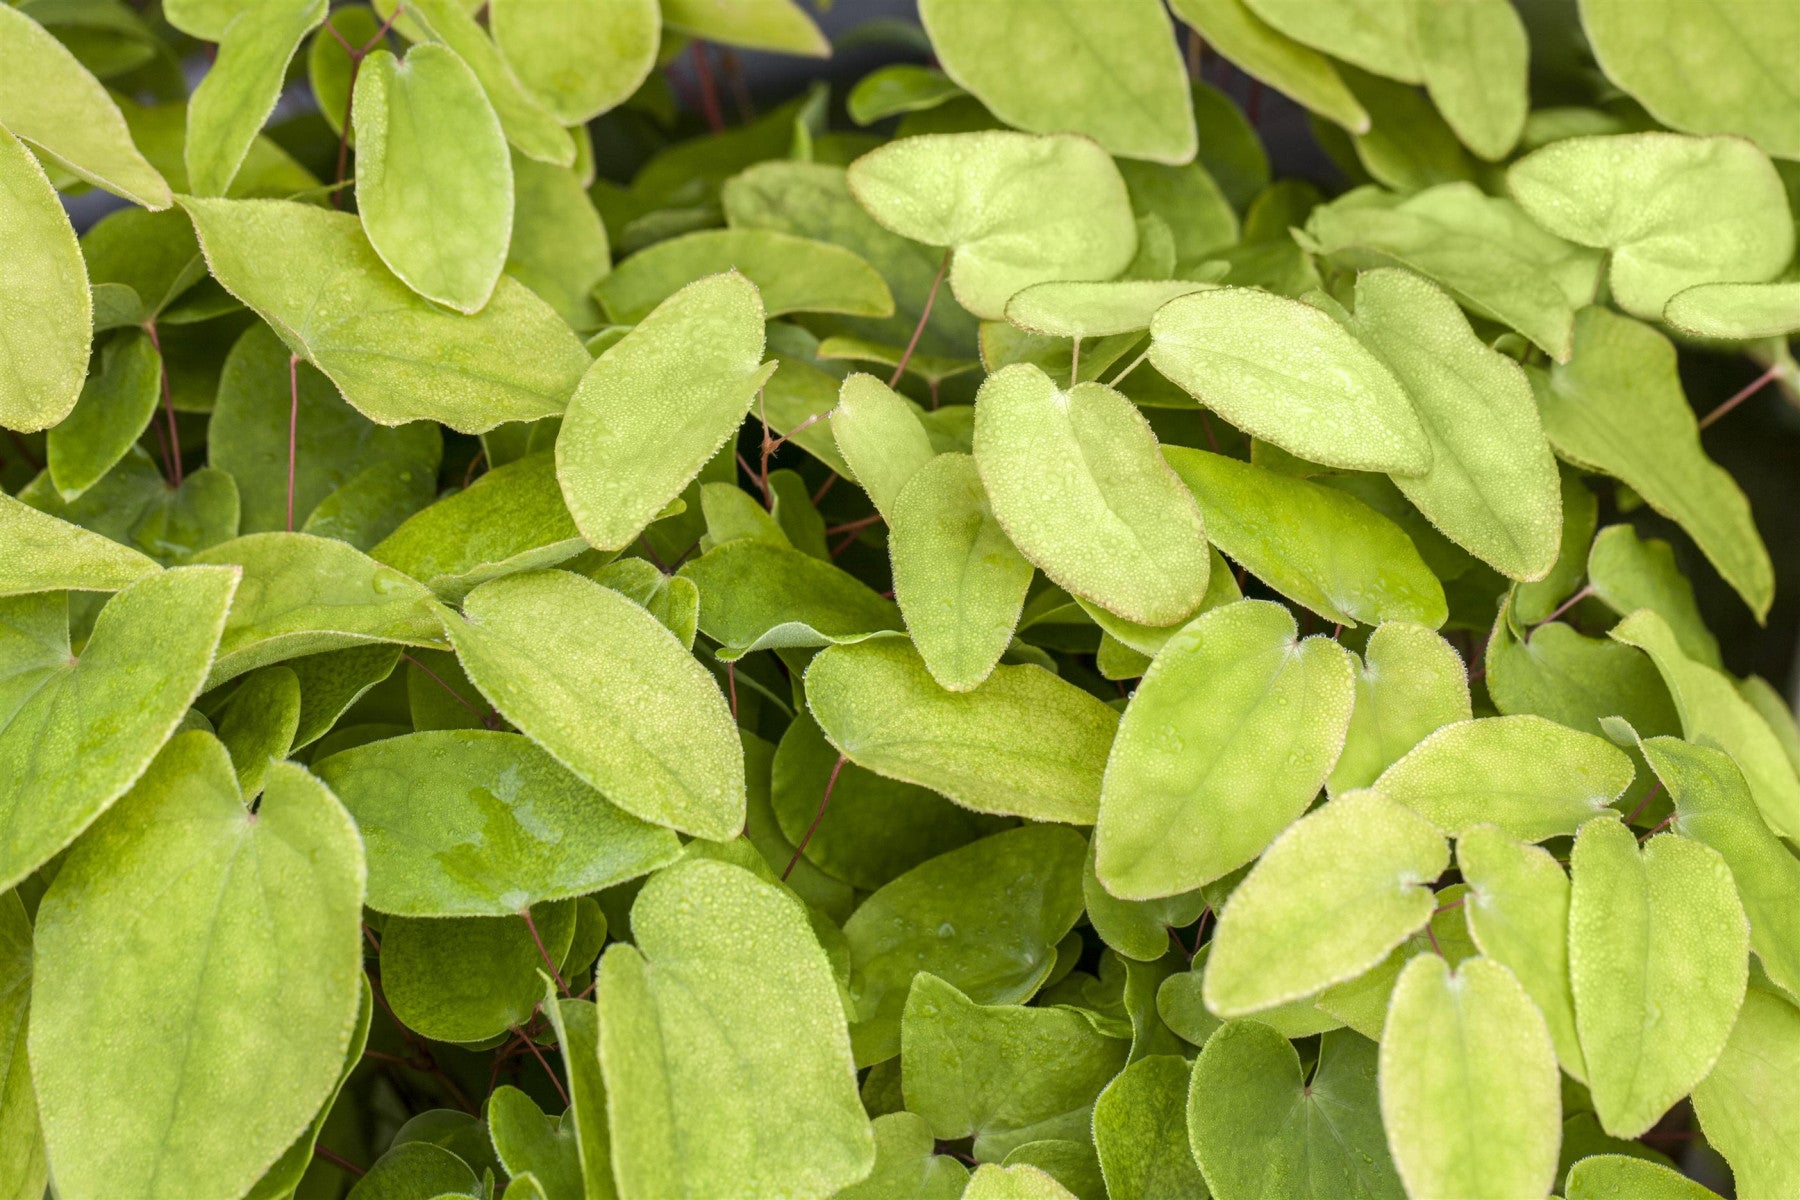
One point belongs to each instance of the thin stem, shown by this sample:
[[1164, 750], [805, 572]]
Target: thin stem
[[849, 539], [768, 447], [1450, 907], [539, 1055], [793, 433], [1195, 48], [683, 556], [356, 61], [1075, 363], [174, 463], [525, 915], [338, 1161], [734, 77], [853, 526], [823, 487], [1566, 605], [1432, 934], [709, 94], [1645, 803], [768, 499], [731, 686], [1748, 390], [1253, 110], [924, 316], [819, 816], [469, 475], [651, 554], [1660, 826], [1212, 439], [1129, 368], [293, 431], [456, 695]]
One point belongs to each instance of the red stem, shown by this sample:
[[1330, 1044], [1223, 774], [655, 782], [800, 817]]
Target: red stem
[[1648, 797], [930, 299], [1748, 390], [709, 93], [174, 461], [539, 1055], [1566, 605], [525, 915], [342, 1164], [820, 816]]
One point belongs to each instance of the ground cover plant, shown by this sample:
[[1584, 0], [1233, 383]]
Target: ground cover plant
[[570, 631]]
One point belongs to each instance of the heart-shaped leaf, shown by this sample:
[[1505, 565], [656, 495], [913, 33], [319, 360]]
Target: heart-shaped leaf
[[44, 299], [241, 87], [577, 59], [51, 555], [1745, 1104], [792, 274], [1409, 683]]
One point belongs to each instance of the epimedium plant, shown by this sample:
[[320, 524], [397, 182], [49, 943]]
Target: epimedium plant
[[556, 648]]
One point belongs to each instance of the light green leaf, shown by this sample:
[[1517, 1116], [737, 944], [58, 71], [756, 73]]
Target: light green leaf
[[1085, 310], [1201, 221], [258, 724], [116, 405], [1287, 373], [303, 594], [239, 90], [1226, 741], [79, 730], [1113, 73], [1534, 603], [313, 275], [778, 25], [1316, 545], [1629, 573], [1278, 938], [1717, 69], [419, 1171], [1020, 1182], [1261, 1130], [1473, 56], [1409, 147], [1618, 407], [1735, 311], [48, 98], [1375, 37], [1076, 482], [1181, 1005], [755, 595], [958, 580], [897, 89], [792, 274], [656, 406], [577, 1026], [192, 1099], [333, 681], [907, 1166], [49, 554], [984, 918], [722, 1041], [1492, 485], [559, 247], [1746, 1105], [1658, 947], [1362, 1003], [1518, 916], [1141, 1133], [1023, 743], [1713, 713], [674, 601], [577, 59], [434, 179], [45, 305], [140, 264], [530, 1144], [467, 979], [21, 1139], [1533, 778], [1146, 640], [879, 434], [613, 697], [134, 504], [1261, 50], [1001, 1074], [1469, 1089], [1011, 209], [1137, 929], [1605, 1176], [283, 1179], [528, 124], [1409, 683], [1496, 261], [1071, 1165], [507, 827], [1674, 211]]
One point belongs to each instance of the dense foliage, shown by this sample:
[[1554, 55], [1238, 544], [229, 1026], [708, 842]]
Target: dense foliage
[[947, 638]]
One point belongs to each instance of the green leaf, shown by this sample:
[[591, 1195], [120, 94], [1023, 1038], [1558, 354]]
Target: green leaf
[[559, 247], [778, 25], [1735, 311], [906, 1164], [1484, 250], [1362, 1003], [1629, 573], [1011, 209], [577, 1027], [1085, 310], [1469, 1090], [897, 89], [1575, 680], [1114, 74], [418, 1171], [1657, 950], [577, 60], [1141, 1134], [1473, 57], [21, 1140], [470, 978], [1715, 714], [1716, 70], [615, 698], [1187, 199], [1746, 1104], [1518, 916], [881, 438], [241, 87], [315, 278], [303, 594], [756, 596], [672, 600], [507, 828], [1409, 683], [1136, 929], [80, 730], [1409, 146], [1277, 939], [1492, 484], [1316, 545], [434, 180], [333, 443], [284, 1178], [50, 554], [50, 99], [984, 918], [1261, 50], [134, 504], [792, 274], [44, 301], [722, 1041], [1287, 373], [114, 409], [192, 1097], [531, 1144], [1262, 1131], [1377, 38], [1228, 738], [1020, 1182], [258, 724], [1024, 743], [1076, 482], [1713, 806], [333, 681], [139, 264], [1618, 407], [1071, 1165], [654, 408], [1603, 1176], [1533, 778], [1674, 211]]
